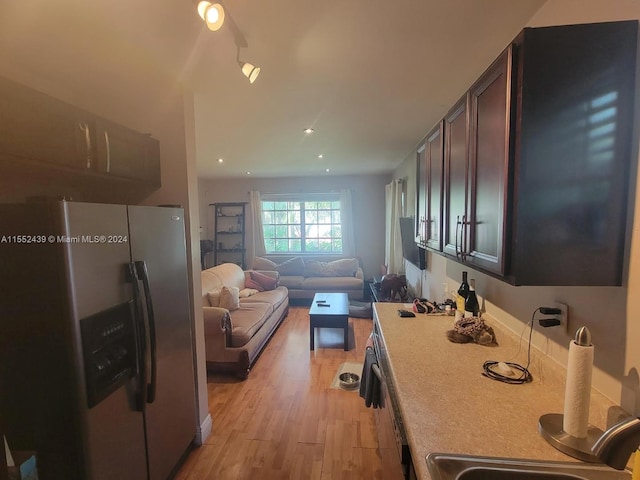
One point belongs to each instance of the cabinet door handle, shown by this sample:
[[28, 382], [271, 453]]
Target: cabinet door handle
[[458, 228], [463, 238], [84, 128], [108, 150], [461, 248]]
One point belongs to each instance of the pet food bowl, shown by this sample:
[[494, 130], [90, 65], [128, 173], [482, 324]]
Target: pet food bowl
[[349, 380]]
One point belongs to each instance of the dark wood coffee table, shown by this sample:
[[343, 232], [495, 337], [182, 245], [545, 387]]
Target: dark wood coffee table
[[334, 315]]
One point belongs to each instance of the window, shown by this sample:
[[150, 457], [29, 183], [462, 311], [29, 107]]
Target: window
[[302, 225]]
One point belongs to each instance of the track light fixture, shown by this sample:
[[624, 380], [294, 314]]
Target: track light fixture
[[248, 69], [212, 14]]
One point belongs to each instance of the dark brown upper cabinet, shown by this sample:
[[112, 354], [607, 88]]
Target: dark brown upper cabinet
[[477, 169], [434, 174], [44, 135], [429, 189], [575, 146], [125, 153], [540, 158], [39, 129], [421, 195], [484, 226], [456, 172]]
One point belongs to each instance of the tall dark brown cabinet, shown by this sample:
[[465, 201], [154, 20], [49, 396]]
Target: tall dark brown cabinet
[[456, 161], [430, 162], [434, 163], [540, 155], [477, 170], [485, 222], [421, 195], [574, 151]]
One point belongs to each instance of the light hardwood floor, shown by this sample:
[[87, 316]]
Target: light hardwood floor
[[285, 421]]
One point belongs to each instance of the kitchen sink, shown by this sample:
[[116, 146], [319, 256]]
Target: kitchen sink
[[444, 466]]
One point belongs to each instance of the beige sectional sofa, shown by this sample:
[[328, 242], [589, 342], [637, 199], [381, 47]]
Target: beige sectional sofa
[[238, 321], [304, 277]]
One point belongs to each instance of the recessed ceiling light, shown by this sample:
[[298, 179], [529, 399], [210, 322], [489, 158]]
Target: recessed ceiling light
[[327, 170], [321, 156], [220, 160], [248, 173], [308, 131]]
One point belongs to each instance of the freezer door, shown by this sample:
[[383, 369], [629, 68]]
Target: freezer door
[[158, 239], [97, 250]]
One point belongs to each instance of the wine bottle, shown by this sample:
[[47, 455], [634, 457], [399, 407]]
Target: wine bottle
[[461, 297], [471, 305], [463, 290]]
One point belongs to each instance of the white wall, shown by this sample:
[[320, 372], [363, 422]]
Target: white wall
[[367, 196], [607, 311]]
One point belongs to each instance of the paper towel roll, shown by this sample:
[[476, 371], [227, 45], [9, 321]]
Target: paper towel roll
[[577, 393]]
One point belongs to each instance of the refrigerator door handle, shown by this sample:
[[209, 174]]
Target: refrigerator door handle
[[143, 274], [140, 340]]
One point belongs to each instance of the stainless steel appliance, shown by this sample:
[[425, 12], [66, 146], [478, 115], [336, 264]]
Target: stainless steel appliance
[[392, 439], [96, 356]]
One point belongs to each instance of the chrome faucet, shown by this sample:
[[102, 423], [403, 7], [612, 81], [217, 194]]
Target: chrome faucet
[[616, 445]]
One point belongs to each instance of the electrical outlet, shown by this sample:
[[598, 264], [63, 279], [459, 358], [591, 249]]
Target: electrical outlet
[[564, 315]]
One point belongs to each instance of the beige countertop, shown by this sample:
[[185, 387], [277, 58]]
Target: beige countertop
[[448, 406]]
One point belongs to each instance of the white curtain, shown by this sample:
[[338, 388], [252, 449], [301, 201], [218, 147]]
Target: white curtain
[[393, 241], [256, 225], [346, 217]]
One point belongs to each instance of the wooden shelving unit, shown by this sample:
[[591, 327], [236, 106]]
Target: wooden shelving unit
[[229, 233]]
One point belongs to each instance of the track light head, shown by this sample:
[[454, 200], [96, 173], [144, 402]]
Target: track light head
[[250, 71], [212, 14]]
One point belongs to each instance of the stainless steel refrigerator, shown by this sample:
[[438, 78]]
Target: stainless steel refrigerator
[[96, 349]]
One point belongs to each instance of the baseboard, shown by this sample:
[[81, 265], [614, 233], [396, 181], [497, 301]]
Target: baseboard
[[204, 430]]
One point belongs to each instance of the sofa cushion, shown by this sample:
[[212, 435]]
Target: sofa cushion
[[293, 266], [229, 298], [345, 267], [274, 297], [247, 320], [291, 281], [265, 281], [332, 283], [261, 263]]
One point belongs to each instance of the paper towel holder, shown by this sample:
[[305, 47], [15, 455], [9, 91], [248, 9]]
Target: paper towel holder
[[550, 427]]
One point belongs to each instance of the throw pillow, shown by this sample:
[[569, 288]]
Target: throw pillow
[[313, 268], [230, 298], [265, 281], [214, 297], [252, 284], [247, 292], [293, 266], [261, 263], [345, 267]]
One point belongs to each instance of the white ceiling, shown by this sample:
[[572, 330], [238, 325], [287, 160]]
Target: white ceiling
[[370, 77]]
